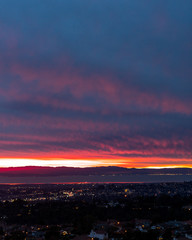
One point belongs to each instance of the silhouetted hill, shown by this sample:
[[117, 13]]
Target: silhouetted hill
[[71, 171]]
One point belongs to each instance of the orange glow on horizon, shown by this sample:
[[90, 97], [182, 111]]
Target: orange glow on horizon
[[95, 162]]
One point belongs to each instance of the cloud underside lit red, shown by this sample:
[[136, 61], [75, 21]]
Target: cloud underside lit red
[[113, 132], [91, 89]]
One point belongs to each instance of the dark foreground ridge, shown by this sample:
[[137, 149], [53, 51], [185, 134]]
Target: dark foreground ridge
[[73, 171]]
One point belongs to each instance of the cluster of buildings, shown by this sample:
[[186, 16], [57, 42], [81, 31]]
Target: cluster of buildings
[[55, 192], [104, 197], [103, 230]]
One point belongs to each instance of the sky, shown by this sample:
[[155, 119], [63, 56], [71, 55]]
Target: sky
[[96, 83]]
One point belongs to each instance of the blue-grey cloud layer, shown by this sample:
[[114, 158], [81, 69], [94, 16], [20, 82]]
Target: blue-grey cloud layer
[[96, 76]]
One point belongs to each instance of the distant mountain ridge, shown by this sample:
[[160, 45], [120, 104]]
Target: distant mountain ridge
[[75, 171]]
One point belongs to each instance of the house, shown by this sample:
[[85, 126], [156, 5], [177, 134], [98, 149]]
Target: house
[[188, 236], [99, 234], [36, 235]]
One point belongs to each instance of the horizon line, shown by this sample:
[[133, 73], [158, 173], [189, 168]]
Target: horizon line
[[138, 163], [151, 167]]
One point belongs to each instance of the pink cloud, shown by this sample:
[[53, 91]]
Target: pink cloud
[[105, 87]]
